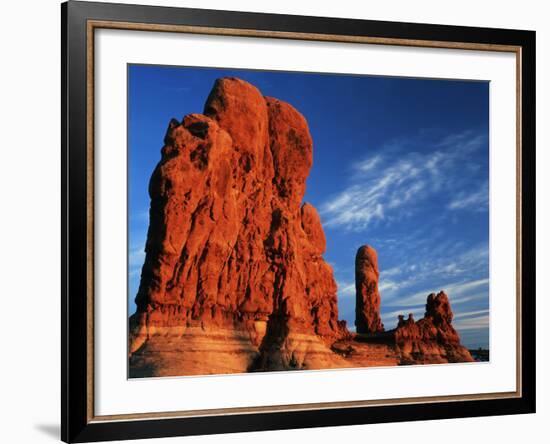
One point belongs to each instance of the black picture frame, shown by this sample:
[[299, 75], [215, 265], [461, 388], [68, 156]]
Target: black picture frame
[[76, 423]]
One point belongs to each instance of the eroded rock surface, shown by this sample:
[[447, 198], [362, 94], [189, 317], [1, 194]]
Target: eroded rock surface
[[432, 339]]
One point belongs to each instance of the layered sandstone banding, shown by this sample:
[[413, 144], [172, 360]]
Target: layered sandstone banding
[[432, 339], [234, 278], [367, 299]]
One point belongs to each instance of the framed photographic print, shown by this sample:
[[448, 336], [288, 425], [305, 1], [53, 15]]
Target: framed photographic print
[[276, 221]]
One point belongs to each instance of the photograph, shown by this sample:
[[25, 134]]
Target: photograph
[[290, 221]]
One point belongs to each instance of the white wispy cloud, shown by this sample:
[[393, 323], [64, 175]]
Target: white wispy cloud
[[473, 323], [392, 272], [141, 216], [368, 164], [477, 200], [470, 298], [136, 257], [346, 289], [390, 186], [448, 265], [453, 289], [388, 284], [469, 314], [465, 141]]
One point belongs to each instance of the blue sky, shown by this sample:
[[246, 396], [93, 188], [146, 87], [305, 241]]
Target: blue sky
[[400, 164]]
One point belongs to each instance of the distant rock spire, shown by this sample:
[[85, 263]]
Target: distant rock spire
[[431, 339], [367, 305]]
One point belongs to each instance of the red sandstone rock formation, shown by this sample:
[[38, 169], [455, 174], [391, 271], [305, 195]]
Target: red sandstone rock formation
[[230, 248], [432, 339], [367, 299]]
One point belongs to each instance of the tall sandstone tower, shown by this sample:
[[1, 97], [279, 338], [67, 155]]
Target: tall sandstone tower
[[367, 297]]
